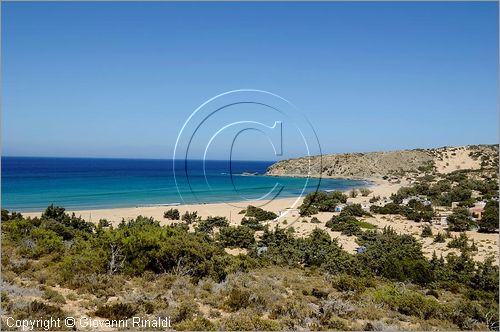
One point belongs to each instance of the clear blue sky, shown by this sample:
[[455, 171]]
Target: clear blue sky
[[119, 79]]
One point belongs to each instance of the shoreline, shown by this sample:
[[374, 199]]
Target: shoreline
[[229, 210], [291, 218]]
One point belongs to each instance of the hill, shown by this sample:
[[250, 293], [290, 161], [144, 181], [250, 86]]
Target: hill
[[394, 163]]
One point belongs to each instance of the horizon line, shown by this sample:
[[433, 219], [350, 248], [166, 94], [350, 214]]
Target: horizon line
[[323, 154], [130, 158]]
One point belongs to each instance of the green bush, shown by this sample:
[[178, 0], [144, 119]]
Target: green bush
[[345, 224], [462, 242], [321, 201], [197, 324], [366, 225], [208, 225], [237, 299], [241, 236], [190, 217], [184, 311], [402, 256], [353, 210], [408, 302], [40, 310], [489, 221], [260, 214], [53, 296], [172, 214], [460, 220], [315, 220], [252, 223], [43, 242], [116, 311], [426, 231], [346, 283], [248, 321], [439, 238]]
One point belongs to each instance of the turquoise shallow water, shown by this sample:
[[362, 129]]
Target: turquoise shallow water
[[31, 184]]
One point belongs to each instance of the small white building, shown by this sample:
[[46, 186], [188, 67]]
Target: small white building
[[340, 207]]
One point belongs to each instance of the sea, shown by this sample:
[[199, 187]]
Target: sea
[[33, 183]]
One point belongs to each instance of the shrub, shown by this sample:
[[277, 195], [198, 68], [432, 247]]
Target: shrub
[[347, 225], [12, 216], [353, 193], [366, 225], [115, 311], [315, 220], [260, 214], [208, 225], [40, 310], [345, 283], [53, 296], [402, 256], [462, 242], [353, 210], [237, 299], [408, 302], [190, 217], [252, 223], [103, 223], [184, 311], [374, 199], [426, 231], [439, 238], [197, 324], [489, 221], [321, 201], [389, 208], [241, 236], [365, 191], [460, 220], [248, 321], [172, 214], [59, 215], [43, 242]]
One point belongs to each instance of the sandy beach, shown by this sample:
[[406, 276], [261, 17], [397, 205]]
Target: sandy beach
[[286, 208]]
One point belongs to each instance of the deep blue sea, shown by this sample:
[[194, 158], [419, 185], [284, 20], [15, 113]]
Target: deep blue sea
[[32, 183]]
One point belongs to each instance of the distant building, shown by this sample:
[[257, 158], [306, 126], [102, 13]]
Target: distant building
[[261, 250], [360, 250], [477, 212], [454, 204], [340, 207], [422, 199], [481, 204], [408, 199]]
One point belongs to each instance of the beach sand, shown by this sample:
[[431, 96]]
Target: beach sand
[[487, 243]]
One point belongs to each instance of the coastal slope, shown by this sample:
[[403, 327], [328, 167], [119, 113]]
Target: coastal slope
[[372, 165]]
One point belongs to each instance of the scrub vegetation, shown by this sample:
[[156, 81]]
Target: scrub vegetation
[[59, 264]]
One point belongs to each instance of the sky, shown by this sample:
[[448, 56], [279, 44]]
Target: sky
[[120, 79]]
